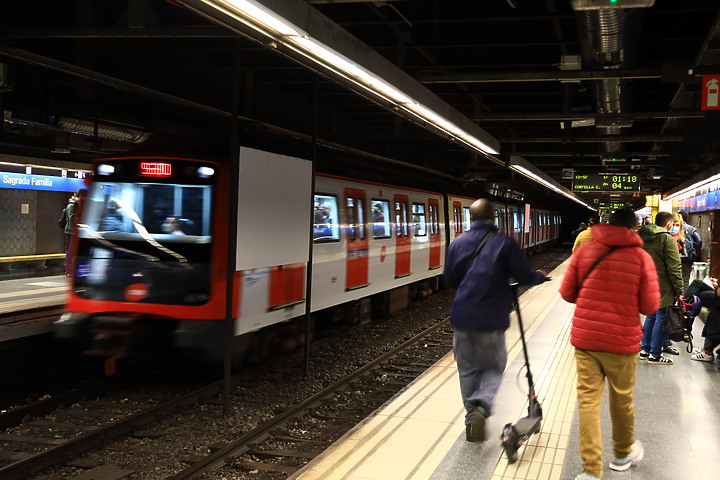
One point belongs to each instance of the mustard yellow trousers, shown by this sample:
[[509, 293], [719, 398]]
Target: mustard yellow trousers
[[592, 370]]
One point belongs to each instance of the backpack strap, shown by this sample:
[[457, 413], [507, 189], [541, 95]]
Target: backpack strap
[[484, 240]]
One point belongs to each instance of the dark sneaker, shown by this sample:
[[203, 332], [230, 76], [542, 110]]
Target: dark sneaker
[[670, 348], [644, 355], [475, 431], [659, 360], [636, 456]]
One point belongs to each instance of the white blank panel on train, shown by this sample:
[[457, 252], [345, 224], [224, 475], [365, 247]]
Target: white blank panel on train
[[273, 209]]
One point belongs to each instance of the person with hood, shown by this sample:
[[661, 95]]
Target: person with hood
[[693, 234], [606, 335], [663, 249], [73, 212], [480, 264]]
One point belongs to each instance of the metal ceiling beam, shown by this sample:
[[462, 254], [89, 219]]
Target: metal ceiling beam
[[559, 116], [569, 153], [189, 31], [542, 76], [597, 139]]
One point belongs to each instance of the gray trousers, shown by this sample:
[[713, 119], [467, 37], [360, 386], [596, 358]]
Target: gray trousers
[[481, 358]]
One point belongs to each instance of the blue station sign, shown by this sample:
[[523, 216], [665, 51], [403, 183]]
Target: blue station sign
[[22, 181]]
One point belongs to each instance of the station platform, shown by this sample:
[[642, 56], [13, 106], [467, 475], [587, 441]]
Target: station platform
[[420, 433], [26, 293]]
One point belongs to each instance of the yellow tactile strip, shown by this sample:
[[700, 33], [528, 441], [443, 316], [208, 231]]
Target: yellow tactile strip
[[410, 436], [543, 456]]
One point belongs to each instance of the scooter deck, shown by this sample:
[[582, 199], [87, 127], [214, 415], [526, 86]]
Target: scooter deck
[[528, 425]]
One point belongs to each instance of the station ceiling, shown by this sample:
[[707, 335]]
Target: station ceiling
[[593, 86]]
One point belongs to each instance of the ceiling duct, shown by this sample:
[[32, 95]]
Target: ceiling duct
[[109, 130], [104, 129], [604, 39]]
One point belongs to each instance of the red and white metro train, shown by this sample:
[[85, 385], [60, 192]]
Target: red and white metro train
[[152, 249]]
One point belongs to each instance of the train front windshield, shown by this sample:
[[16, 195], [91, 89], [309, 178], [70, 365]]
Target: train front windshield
[[147, 238]]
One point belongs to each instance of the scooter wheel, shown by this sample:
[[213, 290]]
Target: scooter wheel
[[511, 453], [509, 442]]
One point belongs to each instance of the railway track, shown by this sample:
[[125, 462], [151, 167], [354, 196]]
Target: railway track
[[98, 422]]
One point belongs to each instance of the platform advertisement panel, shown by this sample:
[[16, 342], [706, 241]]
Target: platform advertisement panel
[[21, 181]]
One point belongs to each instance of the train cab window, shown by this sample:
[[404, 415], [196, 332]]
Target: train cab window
[[381, 218], [325, 225], [466, 218], [419, 220], [131, 211]]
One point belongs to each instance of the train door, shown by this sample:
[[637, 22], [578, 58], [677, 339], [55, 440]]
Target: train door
[[357, 240], [402, 237], [457, 218], [434, 232]]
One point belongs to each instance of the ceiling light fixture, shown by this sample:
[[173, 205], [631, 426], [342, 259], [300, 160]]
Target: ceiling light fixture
[[269, 23], [525, 168]]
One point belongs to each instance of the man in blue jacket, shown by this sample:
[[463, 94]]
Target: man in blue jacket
[[481, 310]]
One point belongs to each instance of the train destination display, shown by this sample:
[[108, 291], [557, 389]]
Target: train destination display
[[606, 182]]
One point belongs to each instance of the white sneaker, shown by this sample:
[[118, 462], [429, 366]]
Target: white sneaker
[[636, 455], [702, 356]]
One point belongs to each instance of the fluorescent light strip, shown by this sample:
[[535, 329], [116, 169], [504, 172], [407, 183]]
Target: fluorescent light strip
[[258, 14], [547, 184], [269, 23]]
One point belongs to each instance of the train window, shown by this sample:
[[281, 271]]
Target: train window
[[401, 219], [419, 219], [434, 221], [351, 228], [326, 228], [516, 221], [361, 218], [381, 218], [456, 219], [496, 217], [466, 218]]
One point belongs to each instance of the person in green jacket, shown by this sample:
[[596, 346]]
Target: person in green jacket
[[663, 249]]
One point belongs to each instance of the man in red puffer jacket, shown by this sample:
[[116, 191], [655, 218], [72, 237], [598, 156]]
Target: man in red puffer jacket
[[606, 334]]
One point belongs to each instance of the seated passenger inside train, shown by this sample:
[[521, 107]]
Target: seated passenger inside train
[[113, 220]]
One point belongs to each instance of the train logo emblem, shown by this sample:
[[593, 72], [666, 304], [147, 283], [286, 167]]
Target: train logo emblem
[[136, 292], [383, 253]]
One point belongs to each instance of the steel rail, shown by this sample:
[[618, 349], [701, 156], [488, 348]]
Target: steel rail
[[239, 446]]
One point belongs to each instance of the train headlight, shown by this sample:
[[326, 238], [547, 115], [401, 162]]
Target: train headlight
[[205, 172], [105, 169]]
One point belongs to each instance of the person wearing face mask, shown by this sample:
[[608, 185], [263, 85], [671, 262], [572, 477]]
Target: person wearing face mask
[[665, 253]]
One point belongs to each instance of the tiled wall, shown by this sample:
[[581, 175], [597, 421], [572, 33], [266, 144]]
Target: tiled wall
[[35, 231]]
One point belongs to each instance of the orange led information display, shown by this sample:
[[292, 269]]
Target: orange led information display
[[155, 169]]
